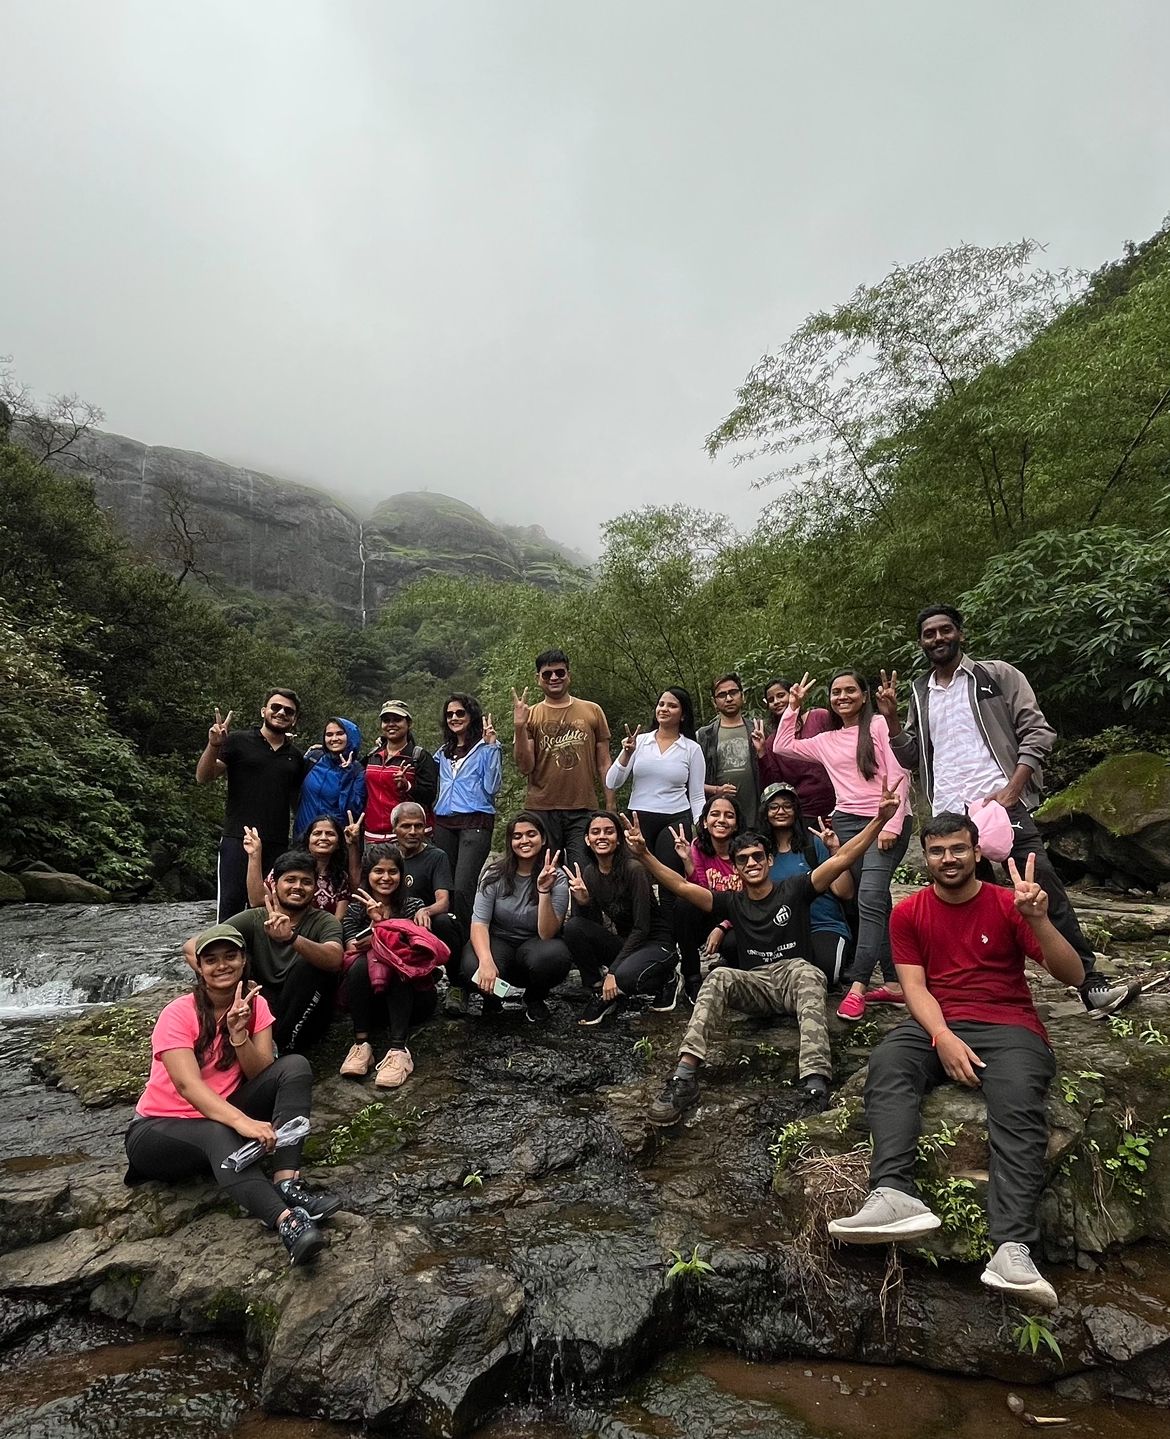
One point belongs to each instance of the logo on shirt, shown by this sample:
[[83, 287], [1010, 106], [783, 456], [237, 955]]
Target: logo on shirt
[[410, 883], [563, 747], [983, 939], [782, 916]]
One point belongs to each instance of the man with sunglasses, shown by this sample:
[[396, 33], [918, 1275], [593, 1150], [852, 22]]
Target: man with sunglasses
[[733, 769], [774, 973], [264, 771], [562, 745]]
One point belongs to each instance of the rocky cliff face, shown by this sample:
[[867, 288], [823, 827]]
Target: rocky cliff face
[[272, 536]]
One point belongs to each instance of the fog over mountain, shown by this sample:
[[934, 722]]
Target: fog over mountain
[[516, 253]]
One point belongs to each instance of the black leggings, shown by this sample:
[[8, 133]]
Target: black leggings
[[643, 971], [173, 1149], [694, 927], [301, 1004], [656, 829], [401, 1005], [467, 851], [534, 965]]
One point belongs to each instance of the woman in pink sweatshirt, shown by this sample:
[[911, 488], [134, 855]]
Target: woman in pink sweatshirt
[[856, 752]]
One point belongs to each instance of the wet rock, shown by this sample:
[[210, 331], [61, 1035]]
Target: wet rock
[[1114, 822], [11, 889], [104, 1056], [55, 887]]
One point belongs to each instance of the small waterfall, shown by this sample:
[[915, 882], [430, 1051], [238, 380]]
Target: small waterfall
[[362, 570]]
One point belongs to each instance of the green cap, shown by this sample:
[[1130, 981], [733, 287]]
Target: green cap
[[220, 932], [775, 789]]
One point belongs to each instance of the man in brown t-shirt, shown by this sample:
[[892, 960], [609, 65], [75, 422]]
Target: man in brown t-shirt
[[562, 745]]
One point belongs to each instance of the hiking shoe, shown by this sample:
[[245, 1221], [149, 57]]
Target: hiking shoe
[[317, 1206], [536, 1011], [357, 1063], [815, 1092], [678, 1096], [667, 997], [596, 1010], [690, 988], [1102, 996], [1011, 1270], [852, 1007], [300, 1237], [883, 994], [394, 1069], [886, 1216], [455, 1002], [490, 1005]]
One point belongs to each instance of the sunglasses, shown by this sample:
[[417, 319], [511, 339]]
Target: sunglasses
[[749, 856], [553, 674], [456, 714], [283, 709]]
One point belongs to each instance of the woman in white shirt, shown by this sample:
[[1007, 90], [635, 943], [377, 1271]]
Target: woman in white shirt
[[668, 771]]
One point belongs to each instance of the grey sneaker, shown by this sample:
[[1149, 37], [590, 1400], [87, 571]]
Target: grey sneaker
[[1103, 997], [1011, 1270], [887, 1216]]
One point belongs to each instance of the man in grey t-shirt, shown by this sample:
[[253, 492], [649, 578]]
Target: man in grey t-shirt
[[732, 767]]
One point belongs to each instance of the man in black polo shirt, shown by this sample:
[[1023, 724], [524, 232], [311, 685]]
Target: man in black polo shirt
[[264, 771], [427, 872], [774, 973]]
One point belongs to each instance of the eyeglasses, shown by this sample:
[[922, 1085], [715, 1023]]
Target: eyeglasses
[[456, 714], [749, 856], [553, 674], [728, 694], [283, 709], [781, 804]]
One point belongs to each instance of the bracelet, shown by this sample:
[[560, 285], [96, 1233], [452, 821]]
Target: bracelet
[[934, 1038], [234, 1045]]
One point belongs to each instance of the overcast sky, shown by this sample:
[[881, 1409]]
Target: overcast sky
[[520, 251]]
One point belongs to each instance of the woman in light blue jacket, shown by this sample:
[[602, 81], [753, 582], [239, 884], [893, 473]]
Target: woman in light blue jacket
[[470, 775]]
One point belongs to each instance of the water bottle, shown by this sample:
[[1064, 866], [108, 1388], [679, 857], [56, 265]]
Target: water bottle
[[289, 1133]]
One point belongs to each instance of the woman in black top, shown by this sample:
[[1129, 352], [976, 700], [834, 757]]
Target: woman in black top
[[617, 935]]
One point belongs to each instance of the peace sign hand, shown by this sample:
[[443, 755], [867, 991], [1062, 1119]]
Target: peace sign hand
[[796, 695], [630, 741], [886, 695], [759, 738], [219, 730], [240, 1013], [252, 842], [634, 836], [889, 802], [489, 731], [278, 925], [548, 874], [353, 830], [682, 845], [577, 886], [347, 760], [1030, 899], [827, 835], [375, 909], [520, 710]]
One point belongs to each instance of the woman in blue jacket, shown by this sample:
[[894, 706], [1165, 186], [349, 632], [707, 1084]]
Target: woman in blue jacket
[[336, 783], [470, 774]]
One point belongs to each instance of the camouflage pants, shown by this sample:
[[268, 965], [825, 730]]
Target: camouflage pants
[[790, 987]]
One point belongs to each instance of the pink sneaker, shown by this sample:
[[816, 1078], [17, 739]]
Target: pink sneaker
[[851, 1007], [356, 1064], [884, 995], [394, 1070]]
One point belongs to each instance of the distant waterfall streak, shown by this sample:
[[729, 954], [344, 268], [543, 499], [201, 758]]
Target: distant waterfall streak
[[362, 562]]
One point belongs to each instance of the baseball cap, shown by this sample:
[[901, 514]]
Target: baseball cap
[[220, 932], [395, 707], [775, 789]]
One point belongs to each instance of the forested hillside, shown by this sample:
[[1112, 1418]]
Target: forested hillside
[[971, 430]]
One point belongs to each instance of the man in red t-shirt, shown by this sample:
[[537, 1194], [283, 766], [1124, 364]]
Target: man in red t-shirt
[[959, 948]]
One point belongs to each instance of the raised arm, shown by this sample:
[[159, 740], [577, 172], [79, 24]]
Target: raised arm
[[209, 765], [1060, 958], [523, 750], [663, 877]]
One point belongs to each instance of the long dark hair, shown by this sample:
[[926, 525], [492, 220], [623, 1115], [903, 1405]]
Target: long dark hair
[[702, 838], [503, 872], [626, 870], [866, 758], [774, 724], [337, 863], [209, 1029], [801, 835], [377, 854], [686, 720], [474, 726]]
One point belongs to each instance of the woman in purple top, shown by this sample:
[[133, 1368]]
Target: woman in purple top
[[807, 776]]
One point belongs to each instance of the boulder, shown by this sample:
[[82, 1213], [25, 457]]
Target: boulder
[[11, 889], [54, 887], [1113, 824]]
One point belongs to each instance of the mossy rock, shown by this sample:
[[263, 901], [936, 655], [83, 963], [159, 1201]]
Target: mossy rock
[[104, 1055], [11, 889], [1113, 823]]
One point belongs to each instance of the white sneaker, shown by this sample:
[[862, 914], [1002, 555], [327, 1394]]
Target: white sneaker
[[887, 1216], [1011, 1270], [394, 1069], [356, 1064]]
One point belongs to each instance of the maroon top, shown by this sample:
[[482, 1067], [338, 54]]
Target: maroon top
[[807, 777]]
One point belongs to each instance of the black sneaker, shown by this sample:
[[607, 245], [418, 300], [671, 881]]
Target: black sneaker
[[690, 988], [491, 1005], [596, 1010], [678, 1096], [536, 1011], [815, 1092], [1102, 996], [316, 1206], [300, 1236], [667, 997]]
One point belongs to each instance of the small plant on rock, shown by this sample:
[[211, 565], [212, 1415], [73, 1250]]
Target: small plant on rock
[[474, 1180], [789, 1144], [692, 1268], [1032, 1333], [644, 1049]]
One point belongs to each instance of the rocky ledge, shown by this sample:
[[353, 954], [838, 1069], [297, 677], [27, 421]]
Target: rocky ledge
[[512, 1220]]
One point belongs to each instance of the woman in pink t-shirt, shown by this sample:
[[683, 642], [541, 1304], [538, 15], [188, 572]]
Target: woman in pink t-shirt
[[214, 1084], [856, 752]]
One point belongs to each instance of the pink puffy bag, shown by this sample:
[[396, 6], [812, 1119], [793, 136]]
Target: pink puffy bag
[[996, 835]]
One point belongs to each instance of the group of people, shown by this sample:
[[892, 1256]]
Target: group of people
[[752, 871]]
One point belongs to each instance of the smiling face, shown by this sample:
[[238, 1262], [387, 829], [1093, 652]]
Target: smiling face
[[336, 739], [752, 865], [527, 842], [941, 640], [457, 719], [782, 812], [951, 859], [280, 713], [846, 697], [602, 837], [553, 679], [322, 839], [394, 731], [384, 878], [720, 820], [668, 711], [221, 966], [295, 888], [776, 698]]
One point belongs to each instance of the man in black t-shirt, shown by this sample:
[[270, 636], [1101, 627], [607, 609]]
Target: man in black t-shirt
[[427, 872], [775, 976], [264, 770]]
